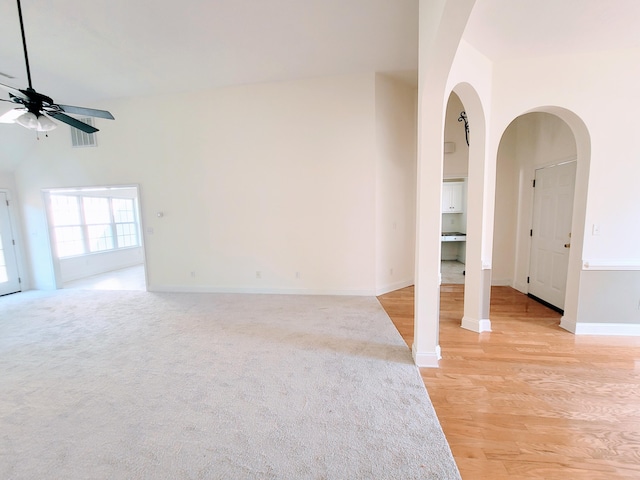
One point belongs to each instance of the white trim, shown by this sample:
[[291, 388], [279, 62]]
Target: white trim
[[568, 324], [256, 290], [522, 287], [426, 360], [476, 325], [393, 286], [608, 329], [612, 265]]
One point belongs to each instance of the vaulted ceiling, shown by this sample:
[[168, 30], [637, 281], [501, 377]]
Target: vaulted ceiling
[[82, 51], [120, 48]]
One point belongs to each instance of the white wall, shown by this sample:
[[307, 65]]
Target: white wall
[[456, 164], [74, 268], [272, 178], [395, 183], [506, 218], [597, 88], [592, 93]]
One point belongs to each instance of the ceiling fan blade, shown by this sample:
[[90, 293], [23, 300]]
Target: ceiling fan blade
[[13, 91], [73, 122], [89, 112]]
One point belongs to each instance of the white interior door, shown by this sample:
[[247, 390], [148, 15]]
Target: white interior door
[[9, 279], [551, 232]]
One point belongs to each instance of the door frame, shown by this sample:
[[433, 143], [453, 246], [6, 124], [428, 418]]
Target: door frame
[[17, 239], [55, 261]]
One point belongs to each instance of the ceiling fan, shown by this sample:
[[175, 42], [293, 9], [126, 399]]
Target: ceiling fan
[[35, 108]]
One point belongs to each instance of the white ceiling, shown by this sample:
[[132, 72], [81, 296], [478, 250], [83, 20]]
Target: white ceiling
[[90, 49], [87, 50], [504, 29]]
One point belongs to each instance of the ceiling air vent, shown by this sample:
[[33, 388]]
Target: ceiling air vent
[[82, 139]]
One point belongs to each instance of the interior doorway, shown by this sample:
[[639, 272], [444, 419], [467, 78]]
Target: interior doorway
[[96, 237], [454, 194], [554, 188], [9, 275], [536, 237]]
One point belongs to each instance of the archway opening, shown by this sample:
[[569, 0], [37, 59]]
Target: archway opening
[[454, 193], [539, 227]]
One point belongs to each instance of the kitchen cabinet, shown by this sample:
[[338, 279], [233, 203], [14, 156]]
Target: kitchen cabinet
[[453, 197]]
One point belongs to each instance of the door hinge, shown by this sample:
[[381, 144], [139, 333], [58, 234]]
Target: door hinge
[[527, 279], [7, 202], [531, 232], [19, 280], [14, 242], [534, 183]]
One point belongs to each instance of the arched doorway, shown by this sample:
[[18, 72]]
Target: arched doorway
[[479, 215], [454, 194], [547, 143]]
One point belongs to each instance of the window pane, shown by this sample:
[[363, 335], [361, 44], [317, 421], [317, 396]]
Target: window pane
[[65, 210], [123, 210], [69, 241], [96, 210], [127, 235], [100, 237]]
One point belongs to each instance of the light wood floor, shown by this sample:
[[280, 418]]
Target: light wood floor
[[530, 400]]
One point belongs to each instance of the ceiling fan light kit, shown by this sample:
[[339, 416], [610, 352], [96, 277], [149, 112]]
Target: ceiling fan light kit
[[41, 123], [35, 108]]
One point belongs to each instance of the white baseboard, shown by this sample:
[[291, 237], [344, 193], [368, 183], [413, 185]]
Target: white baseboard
[[427, 360], [393, 286], [521, 287], [251, 290], [476, 325], [568, 325], [608, 329]]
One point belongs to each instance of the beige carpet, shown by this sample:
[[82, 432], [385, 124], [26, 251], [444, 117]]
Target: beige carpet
[[122, 385]]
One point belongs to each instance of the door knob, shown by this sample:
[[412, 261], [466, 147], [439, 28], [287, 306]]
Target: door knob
[[567, 245]]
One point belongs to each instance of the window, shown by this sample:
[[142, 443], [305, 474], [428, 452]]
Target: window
[[125, 222], [87, 224], [65, 211]]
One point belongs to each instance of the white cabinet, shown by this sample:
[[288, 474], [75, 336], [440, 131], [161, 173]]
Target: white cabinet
[[453, 197]]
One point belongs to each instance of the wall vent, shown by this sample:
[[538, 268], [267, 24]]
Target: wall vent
[[82, 139]]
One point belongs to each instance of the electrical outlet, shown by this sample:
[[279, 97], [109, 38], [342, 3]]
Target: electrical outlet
[[258, 274], [298, 275], [391, 272], [595, 229], [193, 274]]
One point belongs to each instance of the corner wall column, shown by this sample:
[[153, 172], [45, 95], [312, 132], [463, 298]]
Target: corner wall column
[[441, 24]]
